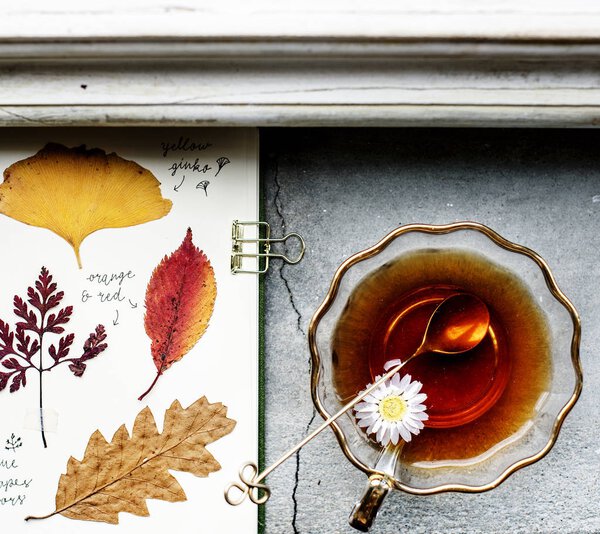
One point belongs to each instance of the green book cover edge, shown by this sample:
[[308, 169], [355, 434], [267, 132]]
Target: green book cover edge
[[261, 355]]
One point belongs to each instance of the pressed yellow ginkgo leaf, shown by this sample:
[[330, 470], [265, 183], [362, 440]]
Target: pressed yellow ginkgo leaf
[[73, 192]]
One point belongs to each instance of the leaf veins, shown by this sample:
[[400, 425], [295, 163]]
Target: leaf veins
[[119, 476], [179, 303], [74, 192]]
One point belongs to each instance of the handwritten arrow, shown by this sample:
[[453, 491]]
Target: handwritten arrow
[[134, 306], [116, 321], [176, 188]]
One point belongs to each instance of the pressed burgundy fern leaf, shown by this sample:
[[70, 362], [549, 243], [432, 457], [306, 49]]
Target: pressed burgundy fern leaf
[[18, 348]]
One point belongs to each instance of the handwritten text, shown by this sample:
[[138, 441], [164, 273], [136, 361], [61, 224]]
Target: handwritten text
[[183, 144]]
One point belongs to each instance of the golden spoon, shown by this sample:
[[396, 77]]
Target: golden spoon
[[458, 324]]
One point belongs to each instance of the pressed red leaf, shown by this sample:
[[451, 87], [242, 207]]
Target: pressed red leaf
[[179, 303]]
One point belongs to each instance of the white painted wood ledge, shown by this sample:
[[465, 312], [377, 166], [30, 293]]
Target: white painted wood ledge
[[264, 63]]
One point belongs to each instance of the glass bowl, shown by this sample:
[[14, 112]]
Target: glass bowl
[[435, 247]]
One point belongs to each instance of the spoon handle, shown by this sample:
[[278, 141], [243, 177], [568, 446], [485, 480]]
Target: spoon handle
[[246, 485]]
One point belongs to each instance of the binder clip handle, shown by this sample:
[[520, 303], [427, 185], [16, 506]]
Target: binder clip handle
[[259, 247], [283, 239]]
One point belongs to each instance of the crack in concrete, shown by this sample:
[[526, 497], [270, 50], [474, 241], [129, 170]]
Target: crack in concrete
[[279, 209], [297, 477], [280, 213], [292, 302]]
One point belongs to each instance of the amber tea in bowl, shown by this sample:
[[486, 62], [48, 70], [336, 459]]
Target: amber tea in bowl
[[492, 409], [385, 319]]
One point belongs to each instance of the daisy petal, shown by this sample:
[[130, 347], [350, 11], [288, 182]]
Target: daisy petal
[[410, 425], [405, 434], [417, 399], [377, 425], [368, 408], [391, 363], [379, 393], [412, 390], [419, 424], [368, 418], [404, 382]]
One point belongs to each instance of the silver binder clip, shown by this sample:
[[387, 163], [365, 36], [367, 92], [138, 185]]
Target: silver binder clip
[[261, 250]]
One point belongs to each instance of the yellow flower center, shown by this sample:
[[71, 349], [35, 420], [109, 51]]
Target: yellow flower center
[[392, 408]]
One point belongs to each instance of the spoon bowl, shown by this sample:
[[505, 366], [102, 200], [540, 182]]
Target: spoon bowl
[[458, 324]]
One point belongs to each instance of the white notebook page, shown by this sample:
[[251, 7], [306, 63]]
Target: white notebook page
[[222, 365]]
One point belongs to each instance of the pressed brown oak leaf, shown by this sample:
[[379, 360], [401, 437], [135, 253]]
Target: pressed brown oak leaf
[[180, 299], [119, 476], [74, 192]]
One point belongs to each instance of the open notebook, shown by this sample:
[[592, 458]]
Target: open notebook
[[203, 328]]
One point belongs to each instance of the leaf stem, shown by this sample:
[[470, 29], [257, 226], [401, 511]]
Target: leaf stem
[[35, 517], [30, 364], [160, 371], [56, 364], [41, 371], [76, 250]]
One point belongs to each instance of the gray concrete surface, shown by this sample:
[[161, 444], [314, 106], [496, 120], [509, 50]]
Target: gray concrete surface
[[345, 189]]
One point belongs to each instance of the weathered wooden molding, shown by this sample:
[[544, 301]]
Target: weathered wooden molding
[[72, 50], [516, 20], [260, 63], [296, 116]]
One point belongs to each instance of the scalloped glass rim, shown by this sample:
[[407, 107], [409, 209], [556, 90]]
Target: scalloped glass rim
[[547, 425]]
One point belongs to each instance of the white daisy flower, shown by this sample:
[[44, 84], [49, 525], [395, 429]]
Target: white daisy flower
[[393, 410]]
